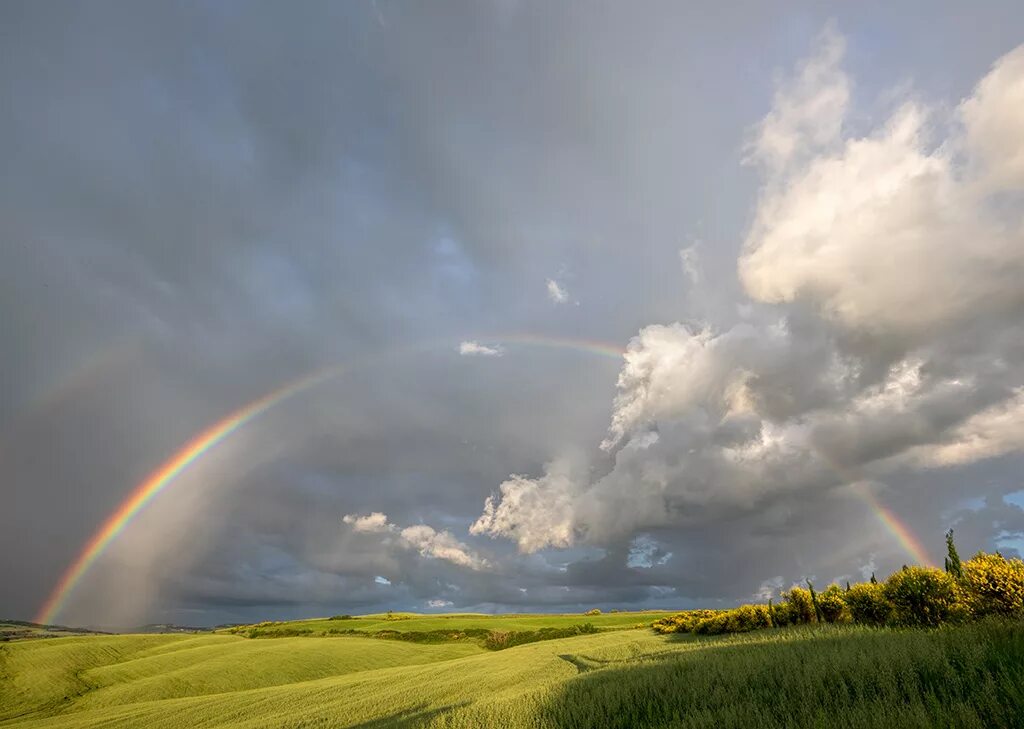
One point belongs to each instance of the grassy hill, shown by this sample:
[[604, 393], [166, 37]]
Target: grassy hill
[[445, 623], [827, 676], [20, 629]]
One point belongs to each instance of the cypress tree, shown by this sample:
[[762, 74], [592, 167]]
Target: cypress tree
[[814, 602], [847, 585], [771, 612], [873, 580], [953, 565]]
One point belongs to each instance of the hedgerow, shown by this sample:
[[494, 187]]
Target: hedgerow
[[986, 585]]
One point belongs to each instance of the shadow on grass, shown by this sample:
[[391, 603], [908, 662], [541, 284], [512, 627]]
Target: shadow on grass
[[969, 676], [414, 717]]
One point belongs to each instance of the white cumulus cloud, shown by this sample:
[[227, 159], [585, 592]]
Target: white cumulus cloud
[[373, 522], [475, 349], [425, 540], [557, 292], [894, 263]]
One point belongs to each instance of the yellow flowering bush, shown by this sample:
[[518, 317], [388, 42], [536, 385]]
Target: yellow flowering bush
[[799, 604], [920, 595], [833, 606], [993, 585], [868, 604]]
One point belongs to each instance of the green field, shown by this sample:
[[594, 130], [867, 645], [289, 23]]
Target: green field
[[451, 622], [828, 676], [17, 630]]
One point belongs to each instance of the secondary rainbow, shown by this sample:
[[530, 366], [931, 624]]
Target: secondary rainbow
[[158, 480]]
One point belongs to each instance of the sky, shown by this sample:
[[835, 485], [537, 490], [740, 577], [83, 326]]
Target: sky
[[616, 305]]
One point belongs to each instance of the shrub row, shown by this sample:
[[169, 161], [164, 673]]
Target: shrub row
[[986, 585], [497, 640]]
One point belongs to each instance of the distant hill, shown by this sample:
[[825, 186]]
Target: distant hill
[[20, 629], [167, 628]]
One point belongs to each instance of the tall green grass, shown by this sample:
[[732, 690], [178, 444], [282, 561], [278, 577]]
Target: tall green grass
[[969, 676], [823, 676]]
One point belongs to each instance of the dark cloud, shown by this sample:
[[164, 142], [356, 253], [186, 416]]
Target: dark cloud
[[200, 203]]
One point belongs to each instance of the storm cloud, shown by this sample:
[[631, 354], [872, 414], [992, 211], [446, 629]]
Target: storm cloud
[[805, 225]]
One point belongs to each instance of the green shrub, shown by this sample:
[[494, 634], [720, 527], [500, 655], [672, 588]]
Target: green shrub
[[920, 596], [833, 605], [868, 604], [993, 585], [340, 617], [497, 640], [783, 614], [595, 611]]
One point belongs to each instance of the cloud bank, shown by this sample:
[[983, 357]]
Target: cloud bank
[[886, 272]]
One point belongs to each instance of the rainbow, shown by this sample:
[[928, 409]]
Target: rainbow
[[146, 491], [201, 443], [204, 441], [897, 528]]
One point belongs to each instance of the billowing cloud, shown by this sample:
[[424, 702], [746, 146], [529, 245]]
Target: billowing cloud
[[475, 349], [901, 232], [534, 512], [893, 261]]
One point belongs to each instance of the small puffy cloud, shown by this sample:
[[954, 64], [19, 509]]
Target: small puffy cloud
[[557, 292], [769, 589], [441, 545], [373, 522], [689, 259], [439, 603], [381, 580], [421, 538], [470, 348], [868, 568]]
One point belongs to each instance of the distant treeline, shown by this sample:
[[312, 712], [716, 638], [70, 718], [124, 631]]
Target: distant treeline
[[986, 585]]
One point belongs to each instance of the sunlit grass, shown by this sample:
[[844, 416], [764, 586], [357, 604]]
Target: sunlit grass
[[825, 676], [412, 622]]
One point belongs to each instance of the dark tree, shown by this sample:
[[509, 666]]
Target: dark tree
[[953, 565], [814, 601]]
